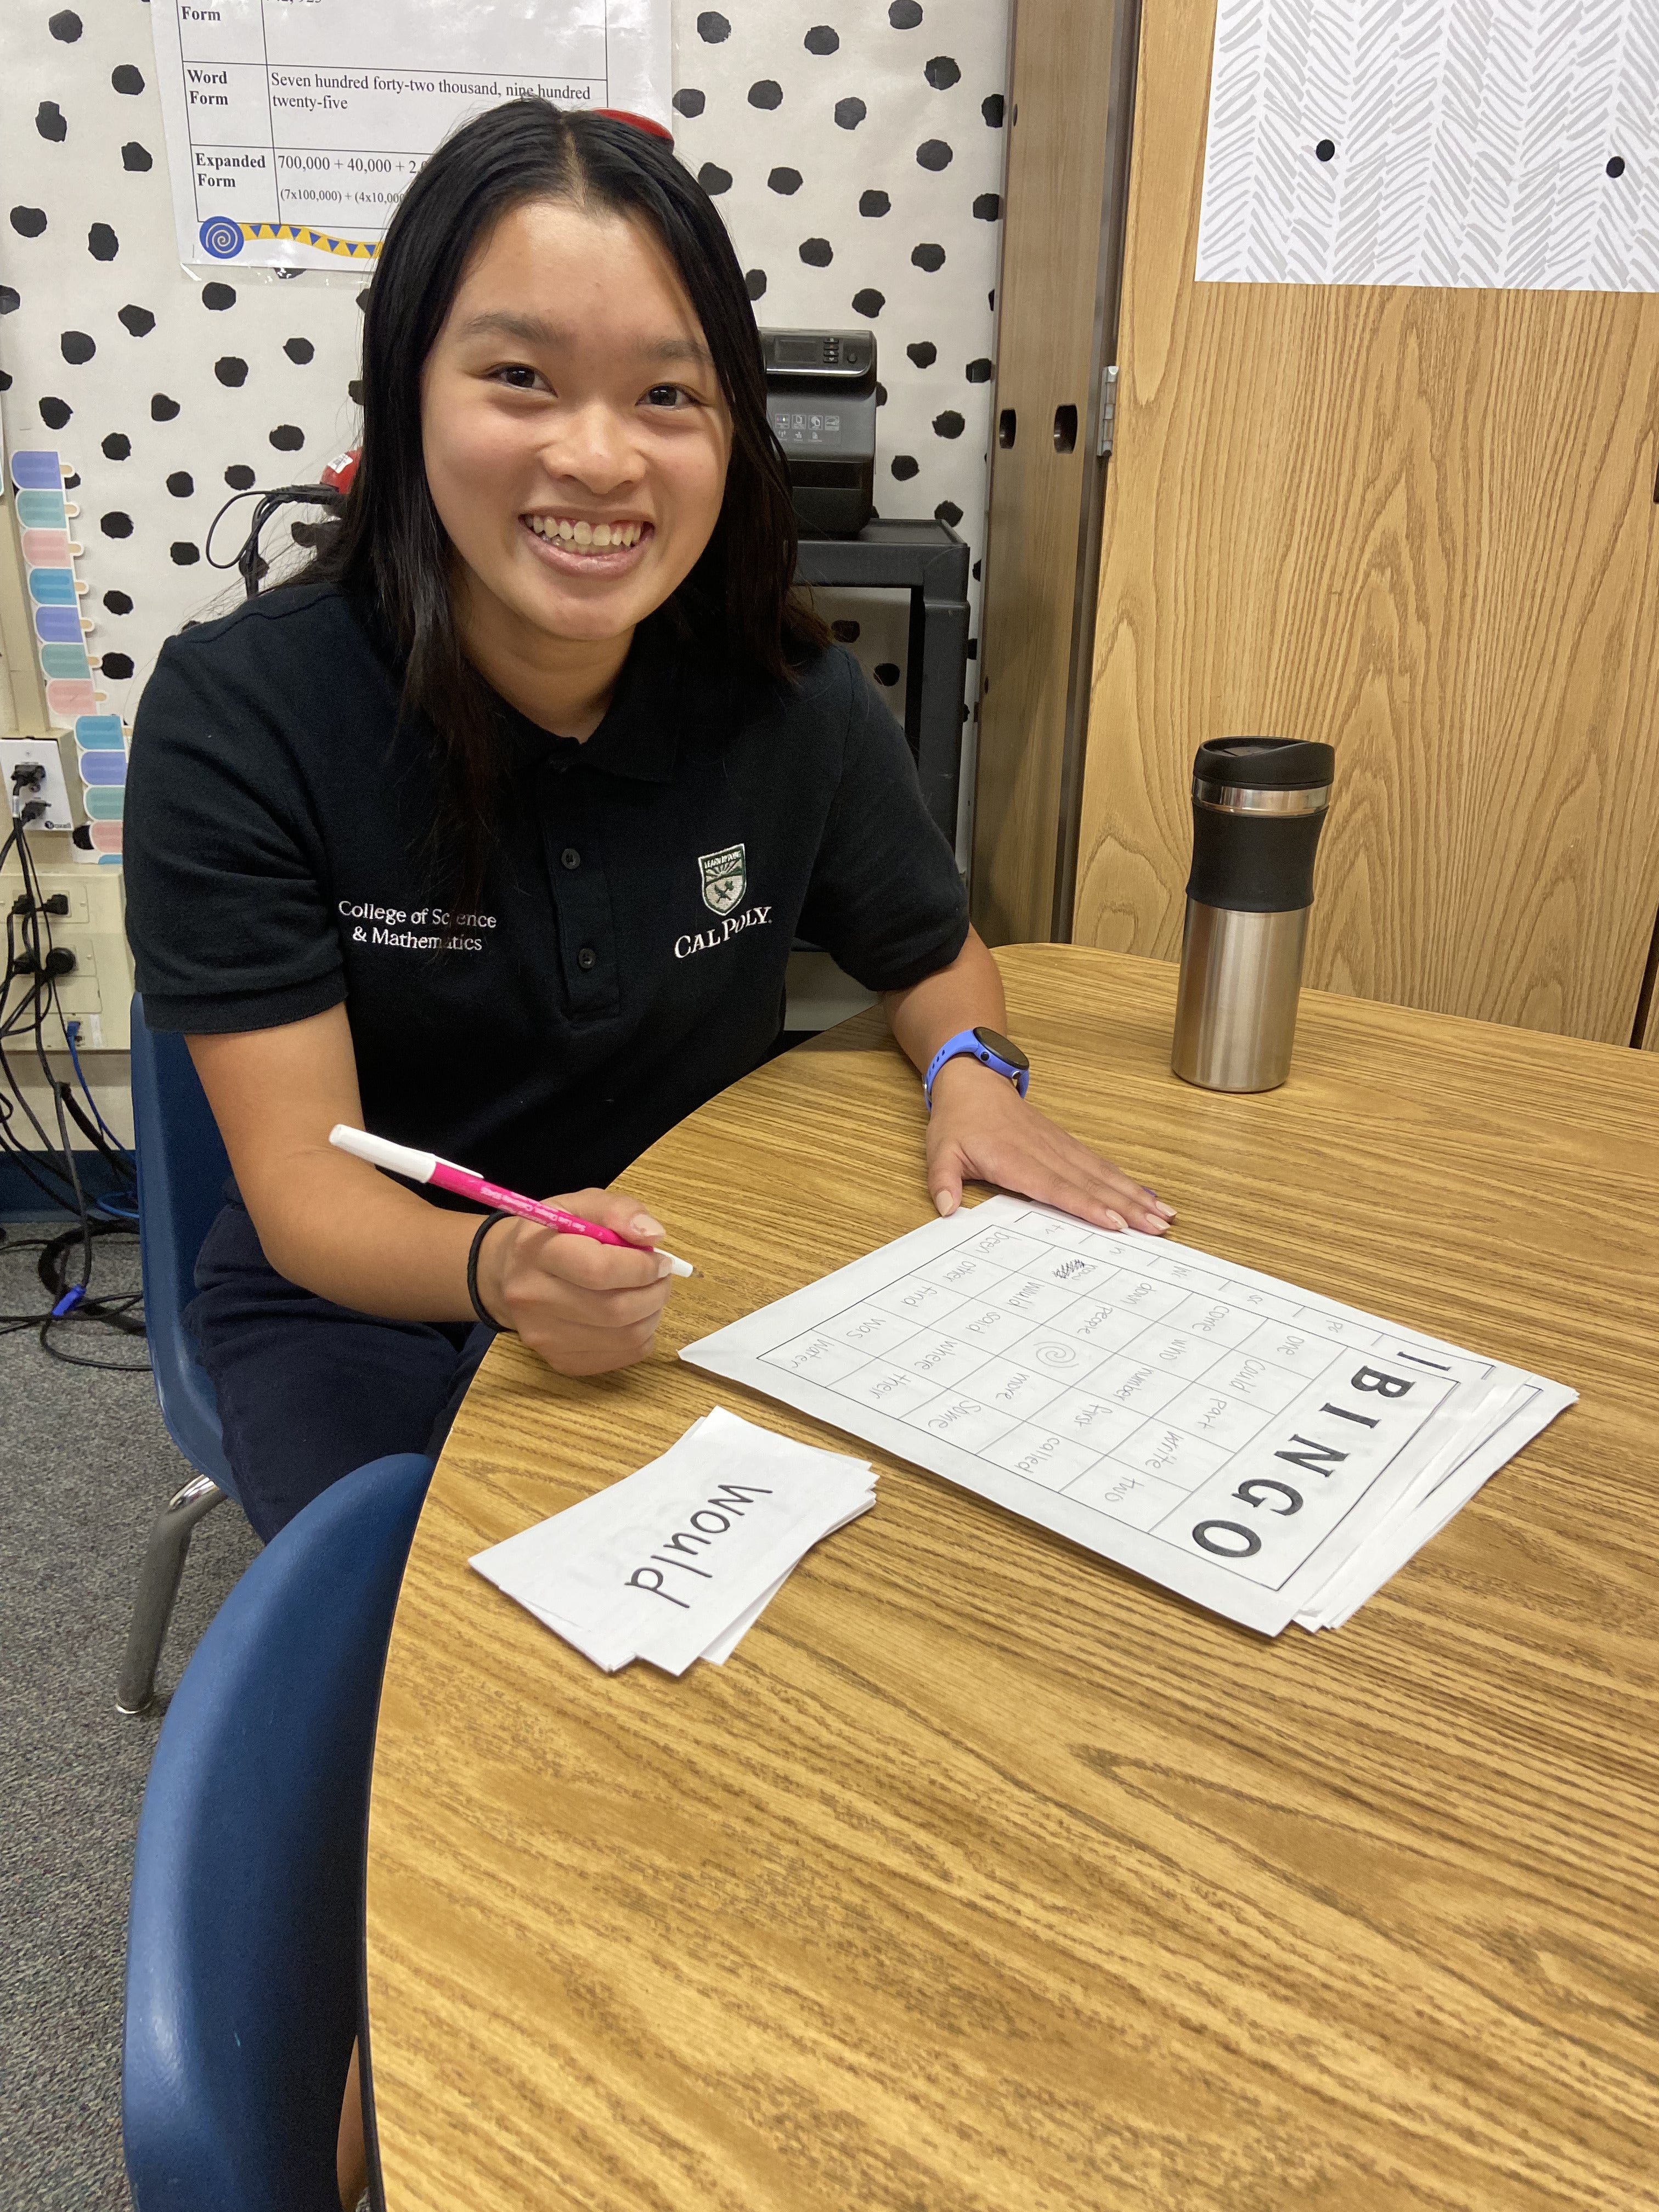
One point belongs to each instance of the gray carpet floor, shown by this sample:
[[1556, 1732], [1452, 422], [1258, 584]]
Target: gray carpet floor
[[84, 1465]]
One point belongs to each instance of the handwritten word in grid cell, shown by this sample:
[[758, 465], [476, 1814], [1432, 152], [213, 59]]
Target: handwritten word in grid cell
[[1214, 1319], [1171, 1455], [872, 1334], [1176, 1352], [1126, 1380], [924, 1304], [889, 1390], [815, 1359], [938, 1360], [1215, 1419], [1054, 1461], [960, 1421], [1255, 1382], [1294, 1348], [1032, 1300], [1099, 1423], [1140, 1293], [1139, 1499], [1105, 1327], [987, 1328]]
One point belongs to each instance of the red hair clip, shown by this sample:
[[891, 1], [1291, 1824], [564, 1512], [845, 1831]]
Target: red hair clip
[[639, 123]]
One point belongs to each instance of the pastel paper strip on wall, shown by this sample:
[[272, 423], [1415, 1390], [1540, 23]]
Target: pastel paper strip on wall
[[103, 768], [98, 733], [106, 806], [36, 469], [52, 587], [68, 662], [49, 549], [42, 510], [58, 625], [65, 701]]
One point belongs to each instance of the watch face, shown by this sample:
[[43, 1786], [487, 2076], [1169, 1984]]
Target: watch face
[[1003, 1048]]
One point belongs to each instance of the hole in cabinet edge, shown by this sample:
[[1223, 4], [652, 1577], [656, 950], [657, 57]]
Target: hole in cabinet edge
[[1008, 424], [1066, 430]]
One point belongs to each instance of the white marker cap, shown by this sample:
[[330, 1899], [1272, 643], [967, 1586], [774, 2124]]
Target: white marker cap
[[380, 1152]]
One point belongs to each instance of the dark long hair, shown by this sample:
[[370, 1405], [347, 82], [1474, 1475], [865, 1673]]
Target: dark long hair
[[390, 546]]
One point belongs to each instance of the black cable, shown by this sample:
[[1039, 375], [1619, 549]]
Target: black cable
[[70, 1300], [36, 921], [116, 1312], [248, 563], [207, 546]]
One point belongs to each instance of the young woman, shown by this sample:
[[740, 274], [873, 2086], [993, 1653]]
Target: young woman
[[492, 833]]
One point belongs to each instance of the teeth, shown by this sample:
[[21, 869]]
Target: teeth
[[600, 536]]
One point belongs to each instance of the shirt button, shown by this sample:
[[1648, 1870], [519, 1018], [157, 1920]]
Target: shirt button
[[570, 858], [587, 956]]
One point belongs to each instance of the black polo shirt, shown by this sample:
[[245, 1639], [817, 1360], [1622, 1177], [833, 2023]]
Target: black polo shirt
[[623, 960]]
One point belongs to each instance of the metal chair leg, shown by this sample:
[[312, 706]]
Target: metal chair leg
[[158, 1587]]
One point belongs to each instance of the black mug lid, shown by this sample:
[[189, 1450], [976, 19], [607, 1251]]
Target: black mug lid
[[1265, 763]]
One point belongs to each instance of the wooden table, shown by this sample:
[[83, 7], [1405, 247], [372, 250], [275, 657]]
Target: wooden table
[[986, 1876]]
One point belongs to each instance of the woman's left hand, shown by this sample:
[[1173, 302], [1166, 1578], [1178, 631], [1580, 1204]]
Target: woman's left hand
[[981, 1130]]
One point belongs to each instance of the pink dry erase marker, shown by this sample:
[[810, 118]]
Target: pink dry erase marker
[[427, 1167]]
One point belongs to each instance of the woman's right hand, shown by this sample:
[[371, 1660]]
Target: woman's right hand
[[584, 1306]]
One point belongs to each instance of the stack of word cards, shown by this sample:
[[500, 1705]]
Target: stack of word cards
[[677, 1561], [1271, 1454]]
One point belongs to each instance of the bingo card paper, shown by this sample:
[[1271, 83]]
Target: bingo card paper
[[1269, 1454]]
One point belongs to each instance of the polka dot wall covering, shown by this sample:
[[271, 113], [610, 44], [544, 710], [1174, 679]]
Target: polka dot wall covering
[[853, 147]]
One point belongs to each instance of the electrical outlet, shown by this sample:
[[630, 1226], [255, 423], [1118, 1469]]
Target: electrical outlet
[[18, 757]]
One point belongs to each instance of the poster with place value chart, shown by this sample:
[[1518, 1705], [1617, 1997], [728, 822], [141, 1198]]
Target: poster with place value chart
[[294, 126], [1269, 1454]]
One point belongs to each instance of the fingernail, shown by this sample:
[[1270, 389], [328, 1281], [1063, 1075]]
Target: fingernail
[[944, 1201], [643, 1225], [1115, 1221], [665, 1266], [1157, 1228], [1168, 1212]]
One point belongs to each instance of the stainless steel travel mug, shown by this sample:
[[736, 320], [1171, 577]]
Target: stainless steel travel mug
[[1258, 807]]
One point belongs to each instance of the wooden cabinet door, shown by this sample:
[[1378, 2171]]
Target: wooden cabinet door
[[1418, 524]]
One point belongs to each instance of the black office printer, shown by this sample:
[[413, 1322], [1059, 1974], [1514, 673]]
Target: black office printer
[[821, 396]]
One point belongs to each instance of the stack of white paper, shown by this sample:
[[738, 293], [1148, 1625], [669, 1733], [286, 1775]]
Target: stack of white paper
[[677, 1561], [1264, 1451]]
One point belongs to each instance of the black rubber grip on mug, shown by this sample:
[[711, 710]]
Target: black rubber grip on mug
[[1258, 863], [1253, 863]]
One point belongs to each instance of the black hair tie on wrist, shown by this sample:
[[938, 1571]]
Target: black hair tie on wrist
[[478, 1236]]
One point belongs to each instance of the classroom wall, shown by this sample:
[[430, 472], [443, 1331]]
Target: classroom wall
[[854, 147]]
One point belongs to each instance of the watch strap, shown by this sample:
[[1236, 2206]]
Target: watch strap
[[966, 1044]]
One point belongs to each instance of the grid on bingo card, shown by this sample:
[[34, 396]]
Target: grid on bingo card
[[1070, 1369]]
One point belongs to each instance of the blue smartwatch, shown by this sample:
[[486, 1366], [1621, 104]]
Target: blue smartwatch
[[990, 1050]]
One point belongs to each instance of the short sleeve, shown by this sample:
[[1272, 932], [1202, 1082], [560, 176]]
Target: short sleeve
[[227, 913], [885, 899]]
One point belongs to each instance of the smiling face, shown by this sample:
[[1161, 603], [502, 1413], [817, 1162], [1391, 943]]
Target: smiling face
[[575, 434]]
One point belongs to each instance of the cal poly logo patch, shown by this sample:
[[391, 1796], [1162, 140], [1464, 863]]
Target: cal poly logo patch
[[724, 878]]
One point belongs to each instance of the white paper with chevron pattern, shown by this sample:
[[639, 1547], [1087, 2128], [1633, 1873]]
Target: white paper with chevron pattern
[[1510, 143]]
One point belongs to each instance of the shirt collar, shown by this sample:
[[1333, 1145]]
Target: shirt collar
[[663, 686]]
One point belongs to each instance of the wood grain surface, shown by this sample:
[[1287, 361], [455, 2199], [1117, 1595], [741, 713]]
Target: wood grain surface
[[1418, 524], [985, 1875]]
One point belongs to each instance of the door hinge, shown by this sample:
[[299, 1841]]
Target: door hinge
[[1108, 410]]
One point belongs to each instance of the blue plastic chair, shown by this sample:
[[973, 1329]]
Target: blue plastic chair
[[244, 1940], [182, 1169]]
